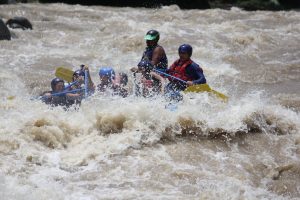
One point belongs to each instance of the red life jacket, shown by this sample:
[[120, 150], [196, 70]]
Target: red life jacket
[[179, 70], [147, 83]]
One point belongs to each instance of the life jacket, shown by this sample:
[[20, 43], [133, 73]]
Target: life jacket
[[147, 87], [147, 56], [147, 83], [178, 70], [150, 86]]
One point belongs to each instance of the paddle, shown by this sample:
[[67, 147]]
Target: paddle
[[64, 73], [57, 94], [65, 92], [86, 82], [196, 88], [67, 74], [71, 84], [205, 88]]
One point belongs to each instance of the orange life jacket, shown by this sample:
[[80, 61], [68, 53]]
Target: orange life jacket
[[178, 70]]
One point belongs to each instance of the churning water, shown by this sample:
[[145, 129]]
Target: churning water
[[134, 148]]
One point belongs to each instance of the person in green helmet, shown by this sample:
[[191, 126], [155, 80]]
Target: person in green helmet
[[154, 53]]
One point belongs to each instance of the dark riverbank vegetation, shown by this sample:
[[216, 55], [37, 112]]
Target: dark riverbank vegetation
[[183, 4]]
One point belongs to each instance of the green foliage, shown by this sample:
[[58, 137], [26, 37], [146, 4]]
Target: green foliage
[[258, 4], [248, 4]]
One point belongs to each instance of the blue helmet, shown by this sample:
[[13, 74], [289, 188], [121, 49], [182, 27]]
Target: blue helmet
[[55, 81], [186, 48], [107, 71], [144, 64]]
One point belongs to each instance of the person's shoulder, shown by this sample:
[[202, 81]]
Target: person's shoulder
[[194, 66], [159, 48]]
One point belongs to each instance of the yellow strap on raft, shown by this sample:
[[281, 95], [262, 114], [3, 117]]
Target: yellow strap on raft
[[64, 73], [205, 88], [11, 97]]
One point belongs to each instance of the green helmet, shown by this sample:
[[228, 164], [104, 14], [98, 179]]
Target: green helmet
[[152, 35]]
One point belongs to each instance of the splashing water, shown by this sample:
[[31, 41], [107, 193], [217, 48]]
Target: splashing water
[[134, 148]]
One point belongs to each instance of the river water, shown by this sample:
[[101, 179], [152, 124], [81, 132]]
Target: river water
[[134, 148]]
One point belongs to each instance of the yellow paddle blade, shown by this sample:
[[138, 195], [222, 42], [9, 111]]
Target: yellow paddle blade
[[220, 95], [64, 73], [205, 88], [198, 88]]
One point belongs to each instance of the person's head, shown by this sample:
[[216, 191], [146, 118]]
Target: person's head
[[152, 38], [145, 66], [82, 67], [78, 75], [106, 75], [185, 51], [124, 78], [57, 85]]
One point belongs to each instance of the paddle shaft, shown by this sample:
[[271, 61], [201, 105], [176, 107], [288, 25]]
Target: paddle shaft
[[58, 94], [65, 92], [86, 82], [71, 84], [178, 79]]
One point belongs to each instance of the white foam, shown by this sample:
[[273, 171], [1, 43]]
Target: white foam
[[135, 148]]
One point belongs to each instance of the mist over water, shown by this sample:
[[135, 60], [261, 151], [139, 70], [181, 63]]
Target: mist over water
[[134, 148]]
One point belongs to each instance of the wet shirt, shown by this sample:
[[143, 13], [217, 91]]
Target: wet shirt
[[116, 90], [55, 100], [117, 87], [196, 73], [147, 56]]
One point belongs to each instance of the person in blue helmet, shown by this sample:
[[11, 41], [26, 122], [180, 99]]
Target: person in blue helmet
[[109, 80], [151, 83], [154, 53], [79, 76], [185, 69], [57, 86]]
